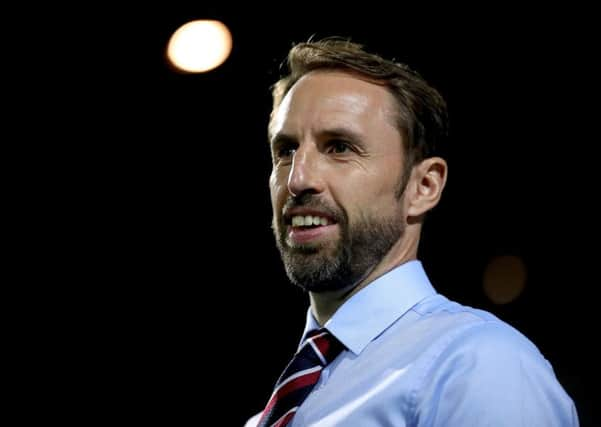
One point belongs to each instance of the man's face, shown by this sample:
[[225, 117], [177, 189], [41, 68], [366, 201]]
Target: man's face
[[336, 179]]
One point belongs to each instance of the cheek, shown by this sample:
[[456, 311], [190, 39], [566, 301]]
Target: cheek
[[385, 186], [277, 188], [370, 198]]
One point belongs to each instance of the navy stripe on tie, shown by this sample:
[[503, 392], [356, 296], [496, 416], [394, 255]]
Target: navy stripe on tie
[[299, 377]]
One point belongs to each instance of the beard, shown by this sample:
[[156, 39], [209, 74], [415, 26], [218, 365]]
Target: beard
[[336, 266]]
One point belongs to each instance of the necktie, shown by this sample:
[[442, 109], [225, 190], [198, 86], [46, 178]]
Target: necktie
[[296, 382]]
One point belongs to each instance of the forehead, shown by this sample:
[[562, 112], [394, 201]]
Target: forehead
[[333, 98]]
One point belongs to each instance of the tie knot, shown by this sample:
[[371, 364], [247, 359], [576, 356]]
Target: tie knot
[[323, 344]]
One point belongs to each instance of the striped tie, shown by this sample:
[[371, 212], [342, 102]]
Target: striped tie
[[319, 348]]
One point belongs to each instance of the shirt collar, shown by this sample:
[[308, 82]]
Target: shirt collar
[[374, 308]]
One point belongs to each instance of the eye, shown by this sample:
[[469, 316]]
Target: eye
[[285, 151], [338, 146]]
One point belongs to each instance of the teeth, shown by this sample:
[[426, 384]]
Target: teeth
[[307, 220]]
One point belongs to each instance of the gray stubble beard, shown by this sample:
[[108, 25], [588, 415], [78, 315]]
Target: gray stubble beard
[[317, 268]]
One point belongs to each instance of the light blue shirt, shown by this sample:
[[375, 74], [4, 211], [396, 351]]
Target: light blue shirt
[[414, 358]]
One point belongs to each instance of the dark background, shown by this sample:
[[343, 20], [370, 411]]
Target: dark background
[[191, 307]]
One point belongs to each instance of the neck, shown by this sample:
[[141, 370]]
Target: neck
[[325, 304]]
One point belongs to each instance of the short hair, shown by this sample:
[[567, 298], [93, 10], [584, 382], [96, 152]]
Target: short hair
[[422, 117]]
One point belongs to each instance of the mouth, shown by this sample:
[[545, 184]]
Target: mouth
[[308, 226], [308, 221]]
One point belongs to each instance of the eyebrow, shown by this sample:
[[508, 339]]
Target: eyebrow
[[337, 132], [340, 132], [282, 138]]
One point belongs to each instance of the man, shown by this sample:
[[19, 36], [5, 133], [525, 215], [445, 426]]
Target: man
[[354, 141]]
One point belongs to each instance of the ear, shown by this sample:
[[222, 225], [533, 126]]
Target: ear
[[428, 179]]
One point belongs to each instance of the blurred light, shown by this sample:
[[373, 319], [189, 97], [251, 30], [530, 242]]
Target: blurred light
[[504, 279], [199, 46]]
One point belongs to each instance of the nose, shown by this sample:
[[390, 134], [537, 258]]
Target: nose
[[305, 175]]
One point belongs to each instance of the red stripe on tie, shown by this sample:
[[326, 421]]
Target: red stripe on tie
[[285, 419], [293, 388], [293, 385], [323, 344]]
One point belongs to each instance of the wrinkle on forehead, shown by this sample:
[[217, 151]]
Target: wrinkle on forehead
[[333, 99]]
